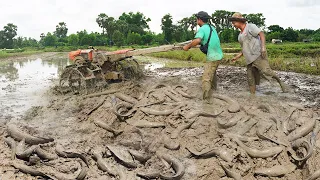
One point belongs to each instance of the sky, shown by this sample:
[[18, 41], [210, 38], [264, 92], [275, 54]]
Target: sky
[[34, 17]]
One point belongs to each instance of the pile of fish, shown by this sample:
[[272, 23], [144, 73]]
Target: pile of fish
[[30, 152], [240, 129]]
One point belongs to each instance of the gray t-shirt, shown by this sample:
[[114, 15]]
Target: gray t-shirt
[[250, 42]]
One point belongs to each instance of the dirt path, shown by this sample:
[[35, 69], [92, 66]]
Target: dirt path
[[160, 126]]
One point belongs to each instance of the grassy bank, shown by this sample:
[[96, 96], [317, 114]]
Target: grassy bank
[[4, 54], [295, 57]]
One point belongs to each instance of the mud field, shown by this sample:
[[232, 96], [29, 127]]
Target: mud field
[[156, 127]]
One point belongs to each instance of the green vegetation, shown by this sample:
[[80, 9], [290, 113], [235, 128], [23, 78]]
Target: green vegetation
[[295, 57], [131, 30], [14, 53]]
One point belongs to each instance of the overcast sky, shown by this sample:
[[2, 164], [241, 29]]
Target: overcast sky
[[36, 16]]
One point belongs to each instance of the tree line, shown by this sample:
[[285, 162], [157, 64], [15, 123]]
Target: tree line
[[132, 28]]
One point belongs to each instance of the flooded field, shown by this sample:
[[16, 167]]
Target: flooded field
[[156, 127], [24, 82]]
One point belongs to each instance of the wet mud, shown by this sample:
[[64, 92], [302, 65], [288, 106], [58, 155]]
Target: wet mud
[[160, 128]]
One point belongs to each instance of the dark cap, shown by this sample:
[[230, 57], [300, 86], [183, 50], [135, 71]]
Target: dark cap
[[203, 15]]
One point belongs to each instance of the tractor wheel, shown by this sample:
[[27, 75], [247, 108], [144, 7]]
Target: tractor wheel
[[73, 80], [130, 69], [79, 61]]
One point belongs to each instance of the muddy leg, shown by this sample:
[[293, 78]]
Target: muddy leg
[[251, 79], [264, 67], [256, 75], [215, 82], [208, 79]]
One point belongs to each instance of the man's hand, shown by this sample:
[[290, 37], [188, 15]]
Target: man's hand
[[234, 59], [186, 47], [263, 52], [192, 44]]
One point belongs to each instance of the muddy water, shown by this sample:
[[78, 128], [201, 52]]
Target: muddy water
[[303, 88], [70, 121], [23, 83]]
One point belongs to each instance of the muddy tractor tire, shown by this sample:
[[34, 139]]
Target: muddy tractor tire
[[130, 69], [79, 61], [73, 80]]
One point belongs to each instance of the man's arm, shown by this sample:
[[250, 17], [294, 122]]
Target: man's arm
[[237, 56], [262, 38], [193, 43], [263, 45]]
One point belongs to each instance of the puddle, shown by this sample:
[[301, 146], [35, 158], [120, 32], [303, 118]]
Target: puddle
[[23, 84]]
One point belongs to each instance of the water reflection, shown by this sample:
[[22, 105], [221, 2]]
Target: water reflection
[[23, 83], [8, 71]]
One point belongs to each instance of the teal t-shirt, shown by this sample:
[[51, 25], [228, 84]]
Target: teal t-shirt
[[214, 50]]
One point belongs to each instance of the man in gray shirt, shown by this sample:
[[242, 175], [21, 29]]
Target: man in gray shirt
[[252, 41]]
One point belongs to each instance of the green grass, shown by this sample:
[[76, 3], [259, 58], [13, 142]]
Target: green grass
[[299, 57], [4, 54], [286, 50], [168, 63], [296, 57]]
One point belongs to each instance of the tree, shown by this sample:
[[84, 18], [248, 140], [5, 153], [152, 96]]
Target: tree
[[221, 21], [226, 35], [101, 40], [167, 27], [133, 38], [273, 35], [307, 32], [102, 17], [275, 28], [73, 40], [290, 35], [235, 35], [118, 38], [316, 37], [107, 24], [61, 30], [81, 34], [179, 35], [50, 40], [18, 42], [88, 39], [147, 38], [30, 42], [7, 34], [122, 26], [137, 22], [159, 39], [257, 19], [188, 25]]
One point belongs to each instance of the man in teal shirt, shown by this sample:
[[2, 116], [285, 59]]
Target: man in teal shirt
[[214, 53]]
